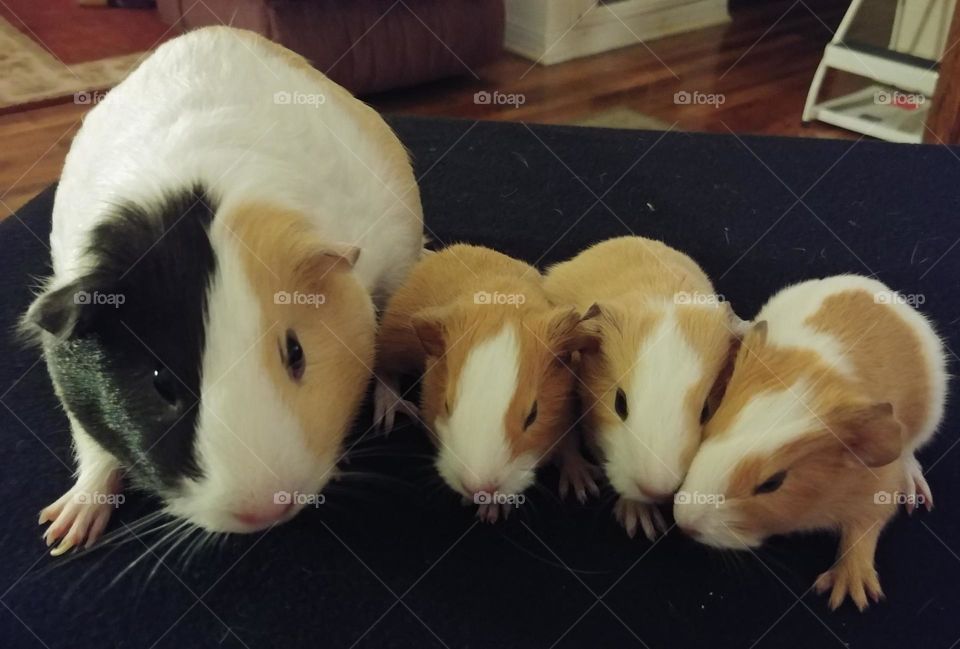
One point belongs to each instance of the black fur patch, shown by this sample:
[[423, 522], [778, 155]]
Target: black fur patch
[[138, 311]]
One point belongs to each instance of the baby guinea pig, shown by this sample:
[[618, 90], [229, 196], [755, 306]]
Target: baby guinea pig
[[836, 387], [665, 338], [209, 326], [497, 389]]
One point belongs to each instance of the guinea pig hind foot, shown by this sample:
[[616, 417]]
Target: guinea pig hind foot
[[387, 402], [631, 512], [916, 489], [79, 516]]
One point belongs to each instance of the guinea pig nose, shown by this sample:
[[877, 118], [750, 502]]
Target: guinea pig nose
[[263, 515]]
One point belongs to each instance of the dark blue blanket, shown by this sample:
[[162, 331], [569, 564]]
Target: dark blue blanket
[[392, 560]]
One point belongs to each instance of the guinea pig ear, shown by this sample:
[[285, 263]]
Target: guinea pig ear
[[568, 332], [756, 334], [63, 312], [317, 258], [738, 326], [431, 330], [869, 432]]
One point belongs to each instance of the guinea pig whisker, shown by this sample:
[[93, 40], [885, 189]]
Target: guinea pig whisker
[[191, 548], [149, 550], [184, 535]]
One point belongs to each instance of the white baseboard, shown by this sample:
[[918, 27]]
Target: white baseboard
[[542, 32]]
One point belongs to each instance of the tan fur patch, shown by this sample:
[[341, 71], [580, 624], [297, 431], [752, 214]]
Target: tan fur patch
[[829, 482], [629, 278], [283, 255], [444, 293]]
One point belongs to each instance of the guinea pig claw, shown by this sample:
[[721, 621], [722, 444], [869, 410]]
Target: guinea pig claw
[[630, 513], [581, 476], [848, 578], [77, 519], [488, 512], [917, 489], [387, 402]]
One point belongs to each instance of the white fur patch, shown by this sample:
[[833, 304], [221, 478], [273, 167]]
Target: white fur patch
[[474, 450], [786, 316], [647, 448], [787, 310], [249, 444], [768, 422]]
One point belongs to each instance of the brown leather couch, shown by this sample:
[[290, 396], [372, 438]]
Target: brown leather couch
[[365, 45]]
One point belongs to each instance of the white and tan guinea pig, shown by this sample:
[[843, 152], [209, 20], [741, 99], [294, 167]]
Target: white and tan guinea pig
[[665, 337], [226, 220], [497, 389], [836, 387]]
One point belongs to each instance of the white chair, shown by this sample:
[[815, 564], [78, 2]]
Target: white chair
[[905, 73]]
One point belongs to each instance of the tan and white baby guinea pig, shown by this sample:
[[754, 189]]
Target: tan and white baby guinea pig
[[665, 337], [497, 390], [834, 389]]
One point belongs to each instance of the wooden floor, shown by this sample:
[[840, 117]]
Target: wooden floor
[[761, 64]]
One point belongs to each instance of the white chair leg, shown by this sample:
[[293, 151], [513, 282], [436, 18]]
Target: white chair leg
[[809, 109]]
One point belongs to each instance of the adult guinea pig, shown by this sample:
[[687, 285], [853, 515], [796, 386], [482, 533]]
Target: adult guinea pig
[[665, 338], [836, 387], [497, 388], [226, 221]]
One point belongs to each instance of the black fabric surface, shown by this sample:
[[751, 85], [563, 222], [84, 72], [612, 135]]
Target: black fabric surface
[[392, 560]]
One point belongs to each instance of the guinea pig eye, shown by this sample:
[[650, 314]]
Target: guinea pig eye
[[620, 403], [771, 484], [165, 384], [293, 357], [532, 417]]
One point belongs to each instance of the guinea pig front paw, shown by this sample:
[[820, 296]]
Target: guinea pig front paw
[[387, 402], [857, 579], [79, 516], [630, 512], [580, 476], [917, 491]]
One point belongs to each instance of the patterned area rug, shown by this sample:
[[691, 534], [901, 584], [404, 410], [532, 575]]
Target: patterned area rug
[[30, 74], [623, 117]]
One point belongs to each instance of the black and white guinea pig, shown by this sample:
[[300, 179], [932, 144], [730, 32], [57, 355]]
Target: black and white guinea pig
[[227, 221]]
